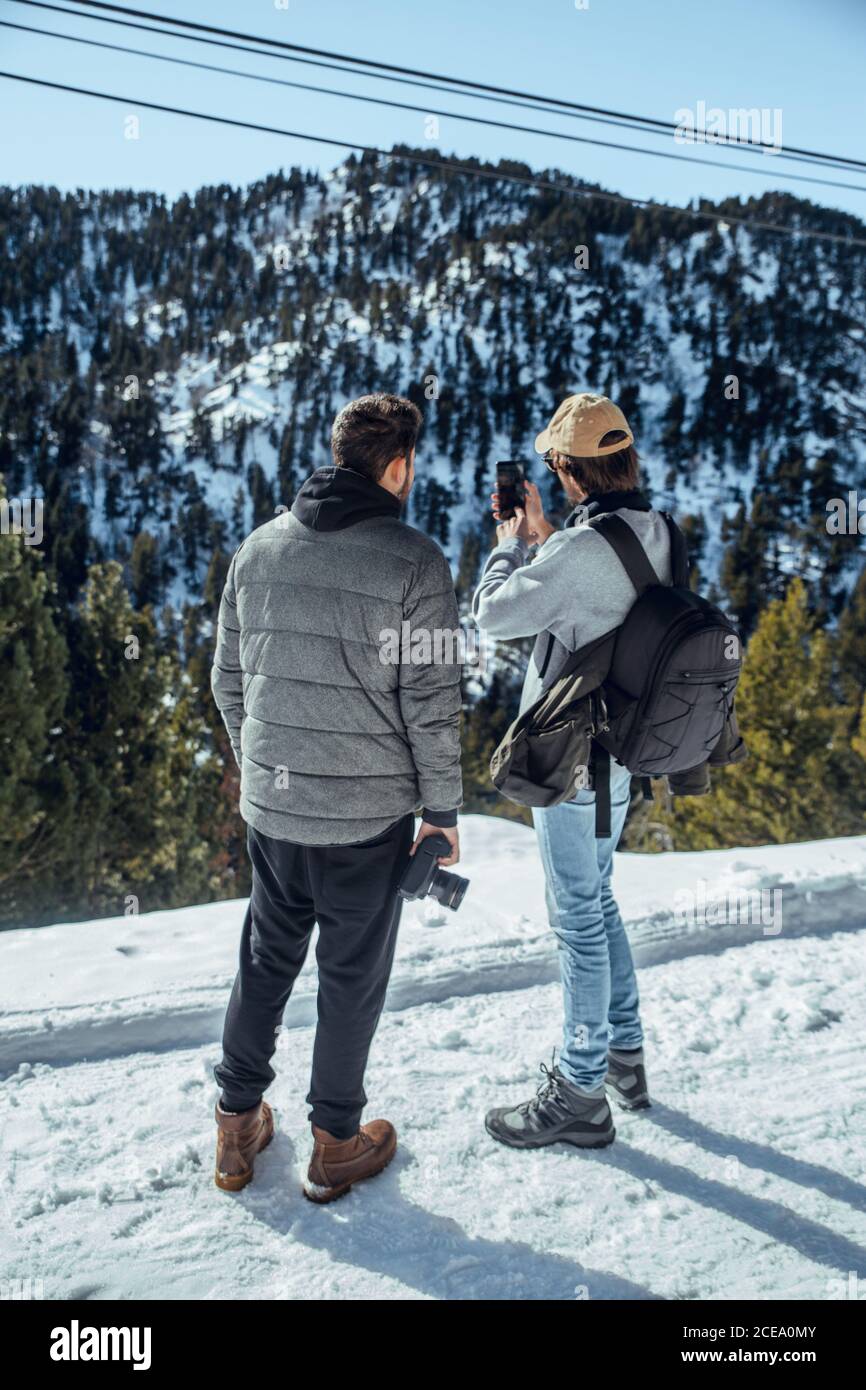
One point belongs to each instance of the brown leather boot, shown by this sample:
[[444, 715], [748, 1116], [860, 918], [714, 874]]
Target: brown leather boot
[[239, 1139], [338, 1163]]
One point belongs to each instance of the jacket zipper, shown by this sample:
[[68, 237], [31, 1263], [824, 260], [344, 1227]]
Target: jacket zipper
[[705, 677]]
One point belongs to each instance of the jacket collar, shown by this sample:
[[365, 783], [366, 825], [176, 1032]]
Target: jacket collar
[[333, 498], [600, 502]]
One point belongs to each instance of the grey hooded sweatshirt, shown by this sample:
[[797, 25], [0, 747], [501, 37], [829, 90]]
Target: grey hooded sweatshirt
[[334, 744], [574, 590]]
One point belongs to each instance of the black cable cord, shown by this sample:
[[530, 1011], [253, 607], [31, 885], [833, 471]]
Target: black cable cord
[[450, 115], [480, 89]]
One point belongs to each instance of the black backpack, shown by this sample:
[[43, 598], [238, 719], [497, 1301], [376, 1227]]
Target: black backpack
[[674, 669]]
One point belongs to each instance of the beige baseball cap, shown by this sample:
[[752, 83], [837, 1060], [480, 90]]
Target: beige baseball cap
[[578, 425]]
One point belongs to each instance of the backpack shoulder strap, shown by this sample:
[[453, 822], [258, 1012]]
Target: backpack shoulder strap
[[622, 539], [679, 553]]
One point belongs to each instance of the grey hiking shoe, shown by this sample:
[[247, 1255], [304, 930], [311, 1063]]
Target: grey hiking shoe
[[558, 1113], [626, 1077]]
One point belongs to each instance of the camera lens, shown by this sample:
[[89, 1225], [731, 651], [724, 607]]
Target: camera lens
[[448, 889]]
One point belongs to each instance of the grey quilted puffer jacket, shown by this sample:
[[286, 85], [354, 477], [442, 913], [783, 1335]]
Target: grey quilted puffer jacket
[[333, 744]]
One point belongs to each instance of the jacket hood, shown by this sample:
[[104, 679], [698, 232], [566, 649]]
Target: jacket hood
[[333, 498]]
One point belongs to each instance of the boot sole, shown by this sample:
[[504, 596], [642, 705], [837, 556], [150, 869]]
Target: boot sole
[[601, 1141], [322, 1195], [236, 1182]]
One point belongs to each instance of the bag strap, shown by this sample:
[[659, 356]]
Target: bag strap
[[601, 778], [679, 553], [628, 549], [578, 658], [632, 556]]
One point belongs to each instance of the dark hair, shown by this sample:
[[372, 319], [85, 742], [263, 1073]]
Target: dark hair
[[371, 431], [619, 472]]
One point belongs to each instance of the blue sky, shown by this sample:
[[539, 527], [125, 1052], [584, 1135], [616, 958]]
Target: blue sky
[[652, 57]]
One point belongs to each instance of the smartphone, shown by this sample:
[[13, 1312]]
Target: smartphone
[[511, 486]]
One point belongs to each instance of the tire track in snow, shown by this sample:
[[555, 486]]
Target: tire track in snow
[[60, 1036]]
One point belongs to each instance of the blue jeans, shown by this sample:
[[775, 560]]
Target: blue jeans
[[598, 980]]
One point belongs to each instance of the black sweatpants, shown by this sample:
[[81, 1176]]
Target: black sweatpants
[[351, 891]]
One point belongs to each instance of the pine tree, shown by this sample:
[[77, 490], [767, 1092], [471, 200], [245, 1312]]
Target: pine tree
[[262, 494], [749, 572], [144, 570], [219, 821], [137, 758], [467, 570], [286, 481], [800, 781], [852, 640], [35, 809], [858, 742]]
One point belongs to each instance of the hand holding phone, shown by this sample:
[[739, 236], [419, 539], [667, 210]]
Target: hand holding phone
[[534, 526], [510, 488]]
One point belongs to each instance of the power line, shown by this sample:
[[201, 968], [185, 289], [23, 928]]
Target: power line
[[407, 106], [337, 67], [839, 162], [829, 161], [413, 72], [480, 88], [446, 165], [354, 72]]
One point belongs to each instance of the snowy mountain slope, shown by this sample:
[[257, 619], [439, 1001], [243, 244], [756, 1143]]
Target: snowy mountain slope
[[193, 355], [668, 309], [747, 1179]]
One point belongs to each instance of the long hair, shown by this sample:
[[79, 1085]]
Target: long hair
[[619, 472]]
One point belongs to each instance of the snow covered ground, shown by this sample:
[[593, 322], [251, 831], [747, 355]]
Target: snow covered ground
[[746, 1180]]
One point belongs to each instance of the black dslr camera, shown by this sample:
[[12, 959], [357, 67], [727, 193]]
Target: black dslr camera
[[423, 878]]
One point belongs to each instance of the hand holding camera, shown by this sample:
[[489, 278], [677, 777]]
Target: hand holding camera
[[423, 877], [450, 834]]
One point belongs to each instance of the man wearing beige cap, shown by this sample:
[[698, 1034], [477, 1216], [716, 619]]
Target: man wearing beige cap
[[572, 590]]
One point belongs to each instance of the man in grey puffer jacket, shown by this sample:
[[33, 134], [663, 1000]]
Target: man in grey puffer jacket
[[338, 744]]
